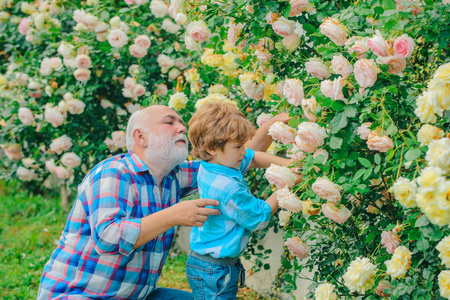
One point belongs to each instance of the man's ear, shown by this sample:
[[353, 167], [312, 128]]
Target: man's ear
[[139, 138]]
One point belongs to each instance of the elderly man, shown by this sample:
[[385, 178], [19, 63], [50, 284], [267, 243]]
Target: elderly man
[[124, 218]]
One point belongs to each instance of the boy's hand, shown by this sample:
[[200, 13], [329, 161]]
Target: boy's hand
[[283, 117]]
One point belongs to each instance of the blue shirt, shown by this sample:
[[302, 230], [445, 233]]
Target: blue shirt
[[95, 256], [226, 235]]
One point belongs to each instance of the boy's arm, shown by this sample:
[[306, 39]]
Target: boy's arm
[[263, 160], [273, 202], [262, 140]]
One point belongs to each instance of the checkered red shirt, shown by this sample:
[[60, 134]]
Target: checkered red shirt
[[95, 256]]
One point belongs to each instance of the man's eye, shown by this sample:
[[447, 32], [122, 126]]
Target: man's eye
[[168, 123]]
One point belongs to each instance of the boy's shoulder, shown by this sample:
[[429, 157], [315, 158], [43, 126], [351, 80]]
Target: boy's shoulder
[[217, 181]]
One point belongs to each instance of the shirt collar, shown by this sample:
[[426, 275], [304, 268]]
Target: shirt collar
[[221, 169]]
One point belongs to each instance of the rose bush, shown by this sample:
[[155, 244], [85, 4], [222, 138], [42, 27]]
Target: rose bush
[[367, 85]]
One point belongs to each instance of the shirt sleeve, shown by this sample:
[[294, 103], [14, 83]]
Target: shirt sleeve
[[245, 164], [109, 201], [247, 210], [188, 177]]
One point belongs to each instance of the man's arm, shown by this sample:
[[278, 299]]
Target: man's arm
[[262, 140], [186, 213]]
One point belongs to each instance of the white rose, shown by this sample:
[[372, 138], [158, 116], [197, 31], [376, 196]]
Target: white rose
[[287, 200], [165, 62], [282, 133], [198, 31], [317, 68], [25, 174], [75, 106], [283, 27], [327, 190], [341, 66], [117, 38], [293, 91], [170, 26], [53, 116], [159, 8], [70, 160], [280, 176], [25, 116], [310, 136], [360, 275], [61, 144], [137, 51]]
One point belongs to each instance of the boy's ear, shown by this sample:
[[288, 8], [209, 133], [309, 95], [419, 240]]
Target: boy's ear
[[211, 152]]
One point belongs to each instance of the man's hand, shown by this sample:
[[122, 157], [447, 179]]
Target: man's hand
[[193, 212]]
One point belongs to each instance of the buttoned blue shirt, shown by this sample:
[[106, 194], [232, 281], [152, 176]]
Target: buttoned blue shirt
[[227, 234]]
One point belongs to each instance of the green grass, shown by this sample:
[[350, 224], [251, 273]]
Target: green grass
[[30, 227]]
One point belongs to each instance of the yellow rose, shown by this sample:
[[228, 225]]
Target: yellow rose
[[229, 62], [211, 59], [427, 133], [214, 98], [218, 89], [405, 192], [228, 47], [443, 73], [428, 107], [442, 90], [400, 262], [269, 90], [444, 251], [436, 215], [444, 284], [325, 291], [359, 276], [429, 177], [178, 101], [443, 195], [438, 154]]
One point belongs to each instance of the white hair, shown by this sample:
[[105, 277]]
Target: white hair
[[136, 121]]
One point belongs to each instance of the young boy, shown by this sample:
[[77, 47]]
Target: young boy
[[218, 132]]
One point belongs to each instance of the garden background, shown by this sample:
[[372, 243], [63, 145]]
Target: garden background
[[367, 84]]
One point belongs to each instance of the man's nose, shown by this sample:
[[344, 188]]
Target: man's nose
[[182, 129]]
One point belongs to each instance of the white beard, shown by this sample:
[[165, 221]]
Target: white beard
[[163, 150]]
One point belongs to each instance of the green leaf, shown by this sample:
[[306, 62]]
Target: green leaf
[[377, 158], [423, 244], [365, 162], [412, 154], [422, 221], [414, 234], [392, 129], [335, 142], [367, 173], [338, 105], [287, 11], [358, 174], [275, 97], [309, 28], [294, 122], [338, 122]]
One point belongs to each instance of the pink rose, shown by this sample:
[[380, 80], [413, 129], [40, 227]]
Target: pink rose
[[341, 66], [283, 27], [198, 31], [233, 33], [334, 30], [54, 116], [379, 143], [165, 62], [139, 90], [282, 133], [61, 172], [295, 154], [396, 64], [309, 106], [287, 200], [360, 47], [70, 160], [366, 72], [117, 38], [143, 41], [364, 131], [24, 26], [390, 241], [161, 89], [263, 54], [310, 136], [280, 176], [83, 61], [82, 74], [75, 106], [13, 152], [338, 215], [129, 83], [384, 288], [378, 45], [326, 87], [35, 93], [50, 165], [337, 92], [297, 247], [293, 91], [61, 144], [297, 7], [25, 116], [404, 46], [252, 89], [327, 190], [137, 51], [317, 68], [25, 174], [291, 42]]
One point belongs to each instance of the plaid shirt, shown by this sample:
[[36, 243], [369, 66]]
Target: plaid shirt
[[95, 256], [226, 235]]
